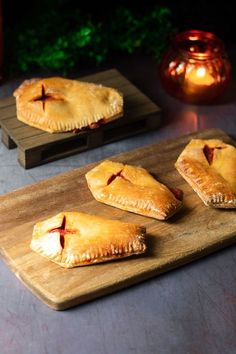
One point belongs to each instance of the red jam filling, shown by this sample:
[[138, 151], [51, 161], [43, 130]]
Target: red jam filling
[[178, 193], [62, 240], [113, 177], [209, 152], [94, 125], [63, 230]]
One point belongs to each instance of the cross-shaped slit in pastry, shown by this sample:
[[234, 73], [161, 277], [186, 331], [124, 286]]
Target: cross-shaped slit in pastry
[[115, 175], [62, 230], [44, 97], [209, 152]]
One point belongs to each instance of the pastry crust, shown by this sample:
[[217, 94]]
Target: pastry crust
[[209, 166], [73, 239], [57, 105], [133, 189]]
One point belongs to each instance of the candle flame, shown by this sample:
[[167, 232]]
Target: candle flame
[[199, 76], [200, 72]]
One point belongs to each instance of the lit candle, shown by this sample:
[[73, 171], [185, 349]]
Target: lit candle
[[195, 68], [200, 76], [198, 81]]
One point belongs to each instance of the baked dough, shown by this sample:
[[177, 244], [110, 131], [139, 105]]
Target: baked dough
[[57, 105], [73, 239], [133, 189], [209, 166]]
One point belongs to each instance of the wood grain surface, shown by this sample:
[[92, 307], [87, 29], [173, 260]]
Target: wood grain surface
[[36, 147], [194, 232]]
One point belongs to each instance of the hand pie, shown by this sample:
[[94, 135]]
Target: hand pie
[[133, 189], [209, 166], [58, 105], [73, 239]]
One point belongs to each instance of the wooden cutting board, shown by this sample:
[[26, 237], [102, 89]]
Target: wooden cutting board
[[194, 232]]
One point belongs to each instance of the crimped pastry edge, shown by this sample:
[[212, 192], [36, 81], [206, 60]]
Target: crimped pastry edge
[[213, 200]]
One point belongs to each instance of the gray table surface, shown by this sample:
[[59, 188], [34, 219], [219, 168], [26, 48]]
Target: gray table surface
[[189, 310]]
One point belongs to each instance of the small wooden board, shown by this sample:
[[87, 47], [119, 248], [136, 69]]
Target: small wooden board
[[36, 147], [192, 233]]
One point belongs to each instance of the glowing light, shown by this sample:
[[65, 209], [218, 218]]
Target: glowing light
[[180, 68], [200, 76], [201, 71]]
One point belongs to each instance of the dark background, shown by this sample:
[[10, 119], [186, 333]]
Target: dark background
[[202, 14], [218, 18]]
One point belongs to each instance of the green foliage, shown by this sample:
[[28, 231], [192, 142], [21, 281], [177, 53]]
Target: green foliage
[[63, 42]]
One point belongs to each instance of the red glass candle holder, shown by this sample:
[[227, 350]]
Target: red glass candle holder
[[195, 68]]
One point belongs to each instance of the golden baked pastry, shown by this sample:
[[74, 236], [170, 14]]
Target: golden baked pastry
[[209, 166], [73, 239], [57, 105], [133, 189]]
